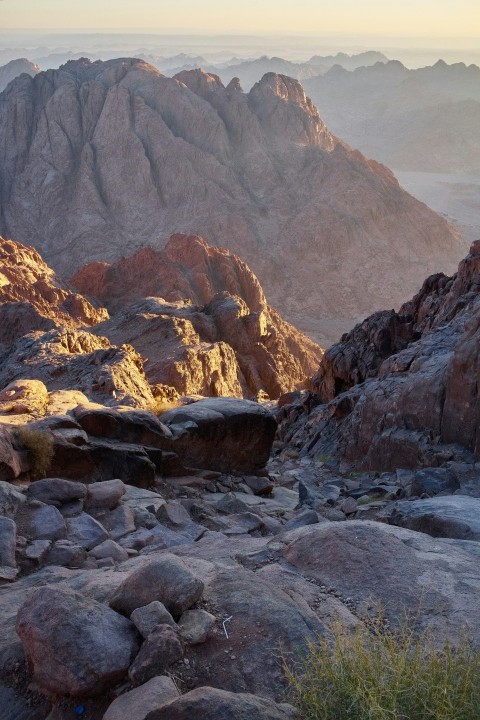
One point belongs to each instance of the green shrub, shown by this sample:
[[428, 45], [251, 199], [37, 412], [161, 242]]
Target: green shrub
[[373, 673], [39, 447]]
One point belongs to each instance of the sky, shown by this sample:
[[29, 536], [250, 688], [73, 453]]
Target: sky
[[415, 18]]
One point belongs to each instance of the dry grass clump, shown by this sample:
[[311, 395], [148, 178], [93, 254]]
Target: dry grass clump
[[158, 407], [39, 447], [378, 674]]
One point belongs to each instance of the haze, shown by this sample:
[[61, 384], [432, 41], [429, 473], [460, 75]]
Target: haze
[[432, 18]]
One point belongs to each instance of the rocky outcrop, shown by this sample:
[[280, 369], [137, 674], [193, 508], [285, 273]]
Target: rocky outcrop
[[201, 321], [114, 151], [32, 298], [66, 359], [402, 388], [14, 68]]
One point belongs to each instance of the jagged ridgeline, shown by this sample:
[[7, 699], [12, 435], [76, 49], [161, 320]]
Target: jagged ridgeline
[[191, 319], [100, 159]]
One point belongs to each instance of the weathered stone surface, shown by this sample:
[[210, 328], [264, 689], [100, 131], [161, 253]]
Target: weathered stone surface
[[161, 649], [38, 550], [166, 579], [10, 499], [11, 465], [32, 298], [118, 522], [195, 625], [129, 426], [139, 702], [38, 521], [66, 359], [147, 618], [223, 434], [66, 554], [24, 397], [56, 491], [75, 645], [418, 407], [8, 538], [106, 494], [85, 531], [404, 571], [109, 549], [206, 703], [448, 516], [219, 158], [225, 341]]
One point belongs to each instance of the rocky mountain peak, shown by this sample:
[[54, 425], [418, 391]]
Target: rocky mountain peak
[[118, 153]]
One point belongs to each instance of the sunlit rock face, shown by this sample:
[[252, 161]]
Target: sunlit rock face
[[100, 159], [199, 317]]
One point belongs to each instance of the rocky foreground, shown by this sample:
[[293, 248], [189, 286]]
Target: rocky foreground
[[179, 591], [98, 160], [167, 567]]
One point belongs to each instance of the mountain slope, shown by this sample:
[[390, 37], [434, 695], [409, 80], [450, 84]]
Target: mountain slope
[[98, 160]]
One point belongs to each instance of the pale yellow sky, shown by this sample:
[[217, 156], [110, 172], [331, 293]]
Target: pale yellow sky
[[414, 18]]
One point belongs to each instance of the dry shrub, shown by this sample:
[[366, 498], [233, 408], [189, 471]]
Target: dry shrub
[[39, 447], [378, 674]]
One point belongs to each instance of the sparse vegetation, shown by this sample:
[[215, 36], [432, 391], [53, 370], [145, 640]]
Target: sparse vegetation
[[158, 407], [374, 673], [39, 446]]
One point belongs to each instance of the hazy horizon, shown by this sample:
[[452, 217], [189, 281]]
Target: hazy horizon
[[430, 18]]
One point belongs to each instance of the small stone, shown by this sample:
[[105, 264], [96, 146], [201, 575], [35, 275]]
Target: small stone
[[105, 495], [195, 625], [149, 617], [38, 550], [109, 549], [85, 531], [349, 506], [138, 703], [161, 649]]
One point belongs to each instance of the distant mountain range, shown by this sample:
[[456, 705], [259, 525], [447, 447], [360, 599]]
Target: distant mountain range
[[101, 159], [422, 120]]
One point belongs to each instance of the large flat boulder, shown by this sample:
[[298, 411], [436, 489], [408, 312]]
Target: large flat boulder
[[447, 516], [73, 644], [223, 434], [373, 563]]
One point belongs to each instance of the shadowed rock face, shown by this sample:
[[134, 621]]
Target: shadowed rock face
[[109, 157], [201, 321], [33, 298], [402, 389]]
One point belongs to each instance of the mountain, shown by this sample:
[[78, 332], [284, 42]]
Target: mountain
[[199, 318], [192, 319], [401, 389], [251, 71], [100, 159], [15, 68], [419, 120]]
